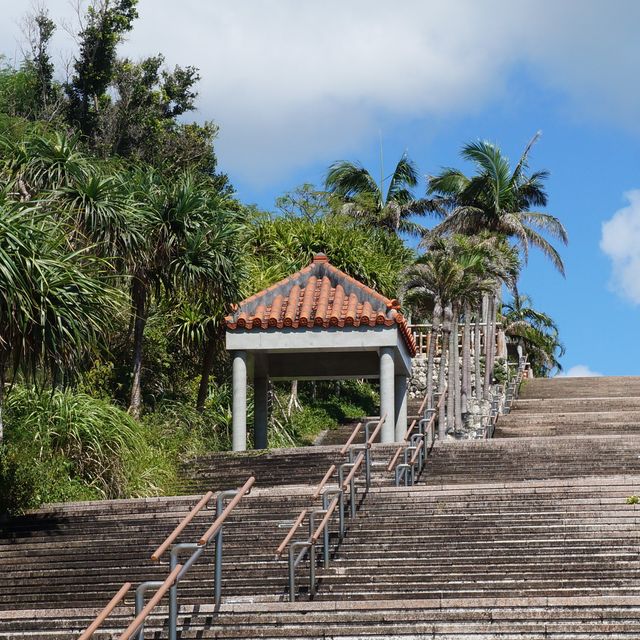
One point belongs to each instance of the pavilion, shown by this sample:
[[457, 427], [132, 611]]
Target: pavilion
[[318, 324]]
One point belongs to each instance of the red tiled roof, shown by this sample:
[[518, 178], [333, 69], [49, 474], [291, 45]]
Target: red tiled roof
[[319, 296]]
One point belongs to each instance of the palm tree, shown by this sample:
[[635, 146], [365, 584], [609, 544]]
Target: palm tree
[[497, 199], [536, 333], [426, 288], [376, 204], [448, 282]]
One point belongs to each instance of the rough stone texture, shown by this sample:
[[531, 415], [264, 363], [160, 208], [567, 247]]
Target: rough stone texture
[[477, 409]]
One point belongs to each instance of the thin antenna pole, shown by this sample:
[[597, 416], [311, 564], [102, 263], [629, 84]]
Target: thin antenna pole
[[381, 170]]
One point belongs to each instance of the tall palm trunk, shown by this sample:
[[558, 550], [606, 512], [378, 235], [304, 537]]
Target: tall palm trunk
[[476, 352], [489, 348], [451, 368], [138, 302], [457, 395], [446, 330], [466, 359], [433, 341]]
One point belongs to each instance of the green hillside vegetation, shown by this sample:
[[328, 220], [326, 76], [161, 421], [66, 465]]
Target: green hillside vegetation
[[123, 246]]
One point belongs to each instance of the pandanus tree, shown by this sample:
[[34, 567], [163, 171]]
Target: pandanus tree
[[38, 164], [388, 204], [188, 244], [55, 304]]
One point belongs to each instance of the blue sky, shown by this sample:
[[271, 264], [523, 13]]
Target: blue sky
[[296, 85]]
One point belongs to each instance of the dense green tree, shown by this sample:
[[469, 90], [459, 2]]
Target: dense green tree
[[105, 24], [278, 246]]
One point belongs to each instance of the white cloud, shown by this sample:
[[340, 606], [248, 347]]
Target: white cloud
[[293, 82], [621, 242], [578, 371]]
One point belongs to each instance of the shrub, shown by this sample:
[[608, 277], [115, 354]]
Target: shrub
[[18, 482]]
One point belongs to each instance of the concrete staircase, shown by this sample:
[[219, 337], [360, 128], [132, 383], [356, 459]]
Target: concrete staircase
[[574, 406], [522, 537]]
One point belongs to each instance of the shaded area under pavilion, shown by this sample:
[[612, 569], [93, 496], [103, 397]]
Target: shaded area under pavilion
[[318, 324]]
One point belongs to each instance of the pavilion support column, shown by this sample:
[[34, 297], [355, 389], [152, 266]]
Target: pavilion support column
[[401, 406], [239, 407], [387, 388], [260, 412]]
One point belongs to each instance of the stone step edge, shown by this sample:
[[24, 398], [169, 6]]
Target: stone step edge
[[580, 482], [339, 605], [547, 441]]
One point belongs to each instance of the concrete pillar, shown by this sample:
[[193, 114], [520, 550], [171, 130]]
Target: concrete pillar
[[260, 412], [239, 407], [401, 392], [387, 388]]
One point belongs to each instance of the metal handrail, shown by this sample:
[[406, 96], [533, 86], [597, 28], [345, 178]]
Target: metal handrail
[[106, 612], [133, 628], [416, 445], [410, 428], [376, 431], [423, 405], [177, 570], [324, 481], [408, 432], [351, 438], [178, 530], [416, 453], [219, 521], [352, 472], [394, 458], [294, 527], [325, 521]]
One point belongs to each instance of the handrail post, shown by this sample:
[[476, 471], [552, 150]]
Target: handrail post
[[367, 465], [217, 569], [312, 569], [352, 487], [325, 534], [198, 550], [293, 561], [367, 453], [415, 439], [140, 591]]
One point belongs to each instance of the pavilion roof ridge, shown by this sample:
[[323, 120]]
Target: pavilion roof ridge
[[319, 295]]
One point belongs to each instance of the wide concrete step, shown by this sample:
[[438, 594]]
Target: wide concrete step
[[479, 619], [595, 387], [512, 429], [569, 405], [570, 418], [511, 459], [271, 468]]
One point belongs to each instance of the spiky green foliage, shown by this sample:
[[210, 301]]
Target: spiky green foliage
[[498, 199], [388, 205], [536, 332]]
